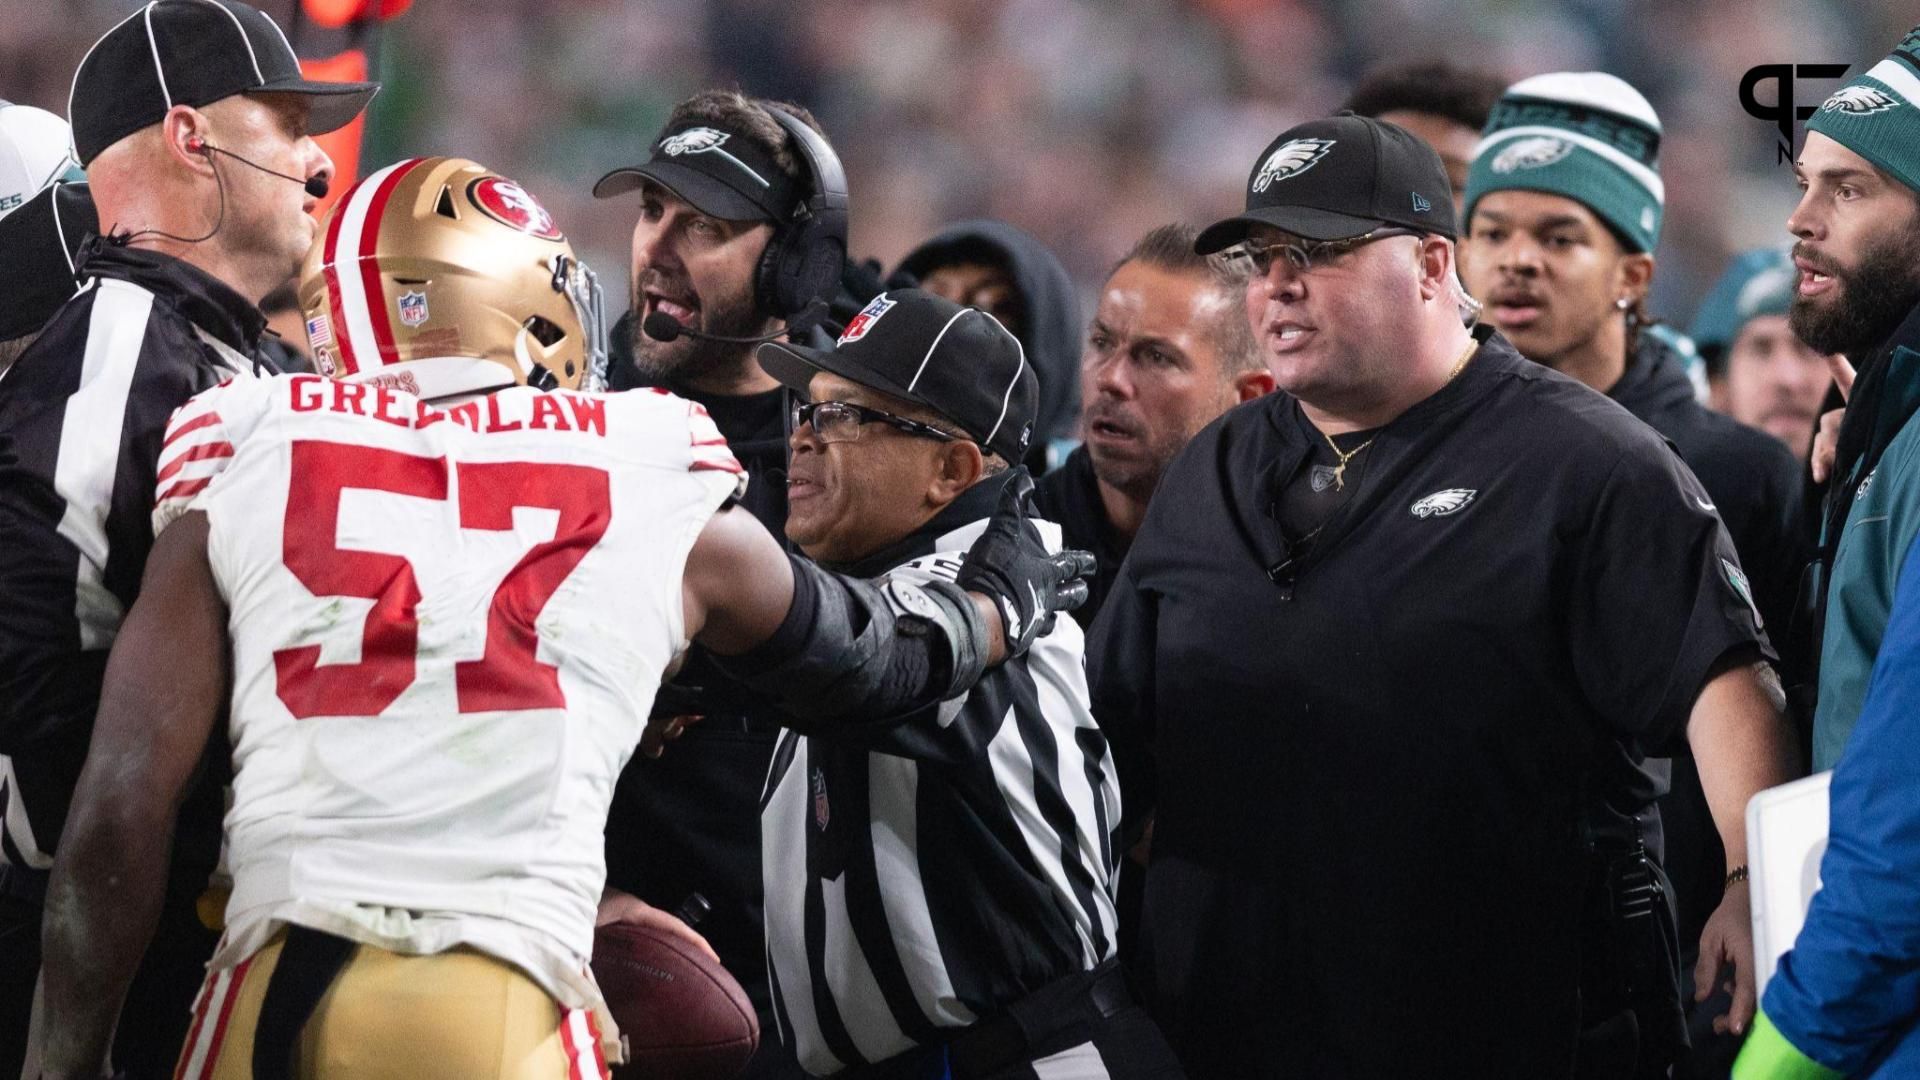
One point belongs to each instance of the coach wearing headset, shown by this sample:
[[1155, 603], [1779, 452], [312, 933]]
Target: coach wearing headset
[[741, 236]]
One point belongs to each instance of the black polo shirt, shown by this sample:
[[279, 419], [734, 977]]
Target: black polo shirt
[[1372, 766]]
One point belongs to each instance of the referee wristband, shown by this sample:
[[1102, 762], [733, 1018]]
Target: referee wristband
[[1734, 876]]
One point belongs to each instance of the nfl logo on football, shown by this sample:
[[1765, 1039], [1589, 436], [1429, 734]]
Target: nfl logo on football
[[413, 308]]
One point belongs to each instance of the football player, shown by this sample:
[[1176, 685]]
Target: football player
[[437, 602]]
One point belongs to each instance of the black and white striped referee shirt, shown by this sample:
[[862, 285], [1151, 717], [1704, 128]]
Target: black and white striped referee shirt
[[82, 415], [925, 874]]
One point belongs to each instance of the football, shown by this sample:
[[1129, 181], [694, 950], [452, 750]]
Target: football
[[683, 1015]]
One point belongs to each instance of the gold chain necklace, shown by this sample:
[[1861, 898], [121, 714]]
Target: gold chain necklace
[[1340, 470], [1461, 364]]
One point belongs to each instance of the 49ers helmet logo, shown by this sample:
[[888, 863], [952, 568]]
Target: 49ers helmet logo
[[509, 204]]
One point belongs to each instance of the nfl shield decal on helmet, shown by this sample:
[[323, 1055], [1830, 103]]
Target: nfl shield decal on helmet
[[413, 308], [858, 326], [1859, 101], [1289, 160], [509, 204], [1442, 503], [1533, 153]]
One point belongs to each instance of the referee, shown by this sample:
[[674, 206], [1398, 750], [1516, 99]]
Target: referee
[[183, 114], [939, 885], [1398, 714]]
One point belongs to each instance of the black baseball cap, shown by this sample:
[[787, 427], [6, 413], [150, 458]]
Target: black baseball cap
[[193, 52], [958, 361], [718, 169], [1339, 177], [39, 245]]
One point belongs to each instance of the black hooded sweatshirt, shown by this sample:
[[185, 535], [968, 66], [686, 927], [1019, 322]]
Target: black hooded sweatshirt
[[1051, 337]]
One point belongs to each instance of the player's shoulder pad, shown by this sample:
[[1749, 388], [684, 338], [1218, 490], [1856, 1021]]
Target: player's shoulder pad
[[707, 449], [200, 440]]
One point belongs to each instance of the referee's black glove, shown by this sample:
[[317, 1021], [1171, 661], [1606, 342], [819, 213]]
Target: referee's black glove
[[1011, 565]]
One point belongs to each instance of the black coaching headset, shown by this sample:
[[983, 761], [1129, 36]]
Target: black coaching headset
[[800, 270]]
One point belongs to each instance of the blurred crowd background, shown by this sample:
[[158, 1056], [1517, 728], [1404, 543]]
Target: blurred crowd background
[[1086, 122]]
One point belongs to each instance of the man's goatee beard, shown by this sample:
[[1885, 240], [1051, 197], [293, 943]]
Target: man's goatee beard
[[1873, 299]]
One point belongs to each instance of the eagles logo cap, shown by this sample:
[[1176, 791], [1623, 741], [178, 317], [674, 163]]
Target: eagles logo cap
[[718, 170], [193, 52], [1340, 177], [958, 361], [34, 152], [1877, 115]]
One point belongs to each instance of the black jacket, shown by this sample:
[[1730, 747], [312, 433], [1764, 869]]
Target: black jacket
[[1070, 497], [1052, 334]]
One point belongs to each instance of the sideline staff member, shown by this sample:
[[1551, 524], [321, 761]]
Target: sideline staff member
[[1842, 1002], [1451, 601], [690, 822]]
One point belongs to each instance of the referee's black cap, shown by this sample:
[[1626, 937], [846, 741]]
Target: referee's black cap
[[1340, 177], [958, 361], [193, 52]]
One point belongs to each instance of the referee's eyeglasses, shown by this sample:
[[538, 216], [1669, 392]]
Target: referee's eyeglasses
[[1303, 255], [840, 421]]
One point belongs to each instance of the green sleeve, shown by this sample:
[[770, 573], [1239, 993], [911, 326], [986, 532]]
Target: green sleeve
[[1769, 1056]]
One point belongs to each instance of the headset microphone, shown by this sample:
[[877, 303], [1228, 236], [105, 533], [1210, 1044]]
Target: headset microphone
[[661, 326], [316, 186]]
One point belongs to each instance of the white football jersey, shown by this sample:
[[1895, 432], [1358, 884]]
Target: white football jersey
[[448, 625]]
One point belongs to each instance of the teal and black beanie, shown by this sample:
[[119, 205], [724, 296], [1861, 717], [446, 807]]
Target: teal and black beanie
[[1585, 135], [1756, 283], [1877, 115]]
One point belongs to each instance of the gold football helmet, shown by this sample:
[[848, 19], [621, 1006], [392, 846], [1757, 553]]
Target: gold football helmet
[[442, 278]]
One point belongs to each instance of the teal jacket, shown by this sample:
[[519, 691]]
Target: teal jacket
[[1845, 1001], [1880, 527]]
